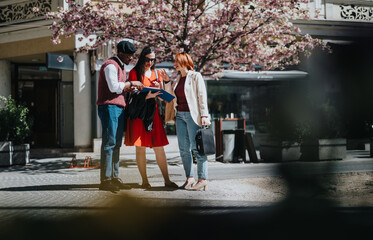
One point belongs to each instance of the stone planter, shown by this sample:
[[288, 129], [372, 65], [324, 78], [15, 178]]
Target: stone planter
[[324, 149], [317, 150], [21, 154], [279, 151], [6, 154], [332, 149]]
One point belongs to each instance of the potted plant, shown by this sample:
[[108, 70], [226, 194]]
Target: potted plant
[[15, 130], [302, 129], [282, 142], [322, 135]]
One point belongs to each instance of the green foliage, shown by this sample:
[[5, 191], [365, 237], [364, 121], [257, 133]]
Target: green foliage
[[332, 123], [15, 124], [324, 122], [286, 114], [304, 120]]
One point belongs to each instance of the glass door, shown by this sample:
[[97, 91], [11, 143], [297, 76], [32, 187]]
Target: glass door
[[38, 89]]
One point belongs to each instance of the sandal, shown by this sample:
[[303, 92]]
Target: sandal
[[146, 185]]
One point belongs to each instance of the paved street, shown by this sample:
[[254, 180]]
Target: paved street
[[48, 190], [51, 184]]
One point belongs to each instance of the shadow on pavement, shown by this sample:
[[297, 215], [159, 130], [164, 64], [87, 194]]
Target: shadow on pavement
[[56, 187], [56, 165], [78, 187], [161, 189], [38, 167], [129, 218]]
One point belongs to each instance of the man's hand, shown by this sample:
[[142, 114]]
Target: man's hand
[[138, 85]]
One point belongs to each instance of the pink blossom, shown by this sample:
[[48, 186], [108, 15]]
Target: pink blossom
[[214, 33]]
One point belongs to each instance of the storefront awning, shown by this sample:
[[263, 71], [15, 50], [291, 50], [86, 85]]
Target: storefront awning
[[233, 75]]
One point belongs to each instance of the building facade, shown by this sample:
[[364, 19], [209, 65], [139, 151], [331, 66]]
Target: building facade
[[59, 86], [60, 99]]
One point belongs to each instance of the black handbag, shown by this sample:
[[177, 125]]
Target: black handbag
[[205, 141]]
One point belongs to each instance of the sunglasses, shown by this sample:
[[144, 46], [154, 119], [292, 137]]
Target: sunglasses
[[149, 59]]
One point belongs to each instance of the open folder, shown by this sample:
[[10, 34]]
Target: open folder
[[164, 94]]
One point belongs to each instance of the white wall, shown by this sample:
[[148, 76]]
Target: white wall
[[82, 102]]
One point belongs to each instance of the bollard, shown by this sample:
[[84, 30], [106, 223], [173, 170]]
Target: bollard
[[73, 162], [250, 148], [87, 162]]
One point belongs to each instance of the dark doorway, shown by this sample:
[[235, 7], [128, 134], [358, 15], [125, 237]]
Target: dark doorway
[[42, 102], [38, 90]]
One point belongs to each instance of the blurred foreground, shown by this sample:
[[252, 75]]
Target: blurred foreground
[[308, 200]]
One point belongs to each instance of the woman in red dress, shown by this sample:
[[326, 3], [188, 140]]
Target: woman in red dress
[[136, 135]]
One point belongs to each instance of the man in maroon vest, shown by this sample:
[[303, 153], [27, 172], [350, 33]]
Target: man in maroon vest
[[112, 87]]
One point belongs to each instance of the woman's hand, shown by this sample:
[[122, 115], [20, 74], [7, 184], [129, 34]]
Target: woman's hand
[[152, 95], [164, 75], [205, 121]]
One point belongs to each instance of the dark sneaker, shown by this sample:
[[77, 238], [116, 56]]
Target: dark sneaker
[[108, 186], [117, 182]]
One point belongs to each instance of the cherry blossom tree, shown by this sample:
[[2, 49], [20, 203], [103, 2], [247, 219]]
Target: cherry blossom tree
[[216, 33]]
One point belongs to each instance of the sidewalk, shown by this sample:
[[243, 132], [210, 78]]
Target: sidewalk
[[50, 182], [47, 191]]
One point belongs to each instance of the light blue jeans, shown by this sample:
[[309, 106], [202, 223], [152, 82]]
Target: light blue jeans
[[186, 130], [112, 122]]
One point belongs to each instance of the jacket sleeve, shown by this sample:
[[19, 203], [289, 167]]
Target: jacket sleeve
[[137, 105], [201, 95]]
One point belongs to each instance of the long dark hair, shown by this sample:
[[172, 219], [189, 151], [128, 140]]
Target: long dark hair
[[140, 65]]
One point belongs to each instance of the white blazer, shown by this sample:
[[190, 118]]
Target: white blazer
[[196, 96]]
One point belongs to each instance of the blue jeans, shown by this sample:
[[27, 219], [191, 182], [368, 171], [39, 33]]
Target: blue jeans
[[186, 130], [112, 122]]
